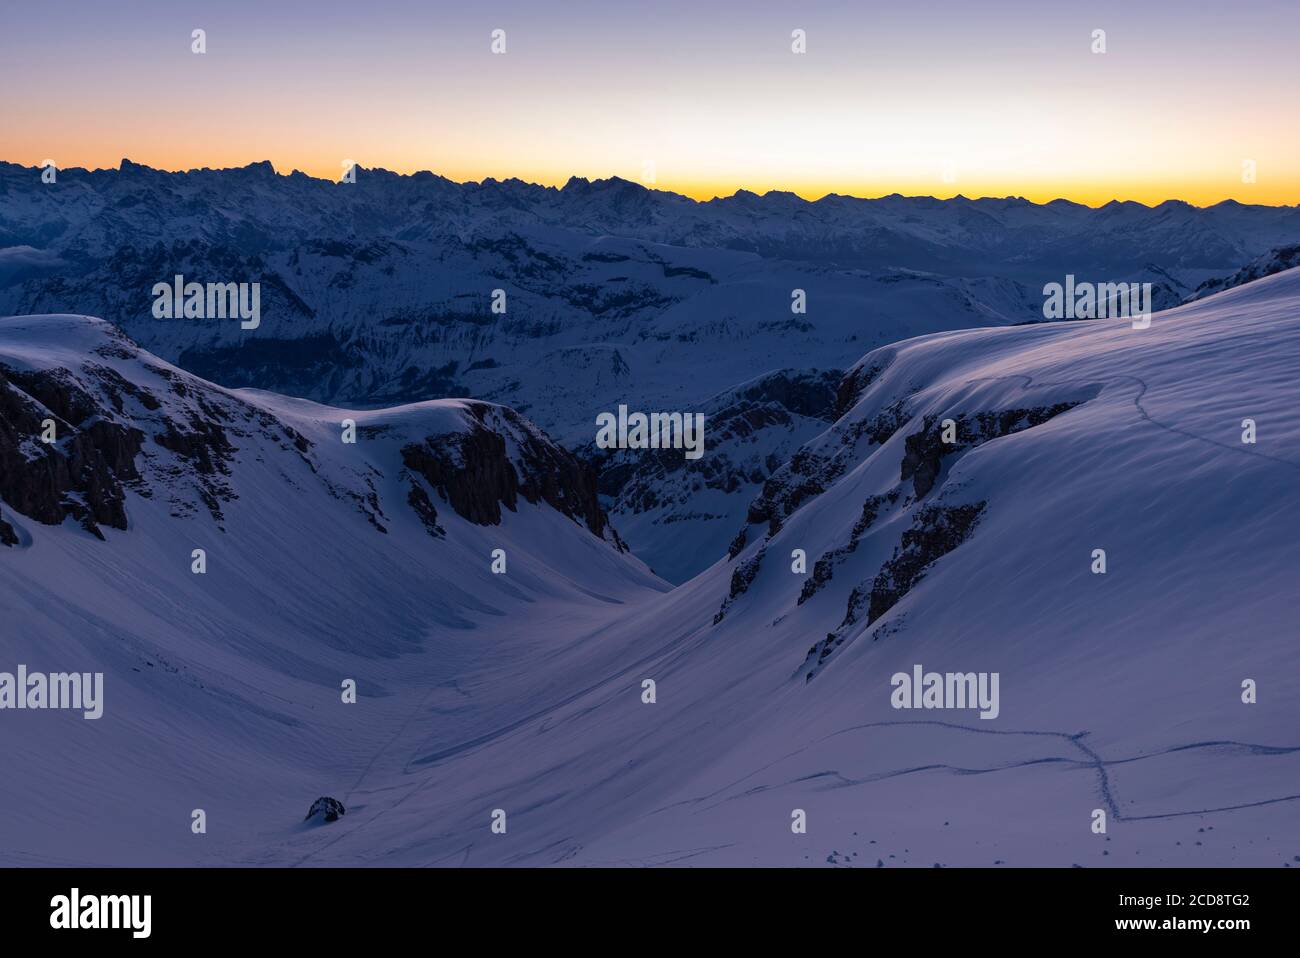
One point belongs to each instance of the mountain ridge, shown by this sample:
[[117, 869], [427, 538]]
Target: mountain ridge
[[583, 182]]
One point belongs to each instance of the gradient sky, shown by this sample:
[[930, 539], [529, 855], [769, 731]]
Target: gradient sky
[[1005, 94]]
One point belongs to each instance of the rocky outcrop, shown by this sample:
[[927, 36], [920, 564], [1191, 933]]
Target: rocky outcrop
[[857, 379], [202, 441], [925, 450], [8, 537], [824, 568], [81, 473], [936, 531], [810, 472], [470, 470], [804, 477], [326, 809], [419, 500], [737, 545], [816, 467], [81, 429], [742, 577], [474, 472]]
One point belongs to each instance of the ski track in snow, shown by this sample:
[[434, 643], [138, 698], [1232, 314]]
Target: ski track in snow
[[1094, 761]]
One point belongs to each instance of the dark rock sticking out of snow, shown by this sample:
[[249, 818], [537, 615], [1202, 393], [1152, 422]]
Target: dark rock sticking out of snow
[[327, 808]]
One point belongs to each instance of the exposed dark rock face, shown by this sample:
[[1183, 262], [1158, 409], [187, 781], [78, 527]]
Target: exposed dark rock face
[[925, 450], [824, 568], [936, 531], [635, 476], [804, 393], [816, 467], [166, 435], [469, 470], [328, 809], [175, 440], [804, 477], [419, 500], [810, 473], [472, 471], [116, 387], [880, 428], [367, 503], [738, 543], [203, 442], [742, 577], [82, 473], [856, 381]]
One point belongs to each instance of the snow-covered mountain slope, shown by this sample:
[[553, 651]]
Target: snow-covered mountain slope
[[525, 692], [1119, 691], [325, 561]]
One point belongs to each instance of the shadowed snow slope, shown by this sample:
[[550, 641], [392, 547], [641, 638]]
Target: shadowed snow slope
[[950, 516], [325, 561]]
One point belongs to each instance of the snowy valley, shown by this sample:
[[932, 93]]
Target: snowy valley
[[948, 493]]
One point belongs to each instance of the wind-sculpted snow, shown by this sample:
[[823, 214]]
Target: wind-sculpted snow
[[526, 691]]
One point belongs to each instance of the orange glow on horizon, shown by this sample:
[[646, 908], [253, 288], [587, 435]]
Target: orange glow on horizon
[[1204, 191], [979, 101]]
